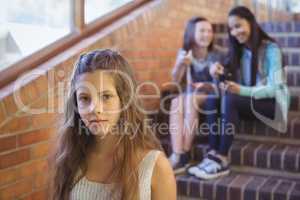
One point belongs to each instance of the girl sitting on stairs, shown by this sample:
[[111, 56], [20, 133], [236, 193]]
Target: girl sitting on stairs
[[191, 71], [256, 89]]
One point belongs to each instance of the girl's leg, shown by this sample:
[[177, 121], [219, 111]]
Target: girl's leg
[[233, 107], [229, 121], [211, 112], [191, 118], [176, 124]]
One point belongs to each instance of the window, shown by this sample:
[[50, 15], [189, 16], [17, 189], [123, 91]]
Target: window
[[32, 31], [27, 26], [97, 8]]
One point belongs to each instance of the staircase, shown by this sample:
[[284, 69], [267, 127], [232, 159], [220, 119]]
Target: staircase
[[265, 163]]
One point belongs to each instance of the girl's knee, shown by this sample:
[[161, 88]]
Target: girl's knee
[[177, 104], [231, 99], [175, 101]]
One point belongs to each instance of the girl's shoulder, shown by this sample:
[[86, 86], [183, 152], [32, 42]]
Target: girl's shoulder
[[155, 161], [270, 45], [270, 49], [151, 154]]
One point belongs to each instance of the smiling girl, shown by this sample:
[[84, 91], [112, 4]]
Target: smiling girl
[[97, 156], [191, 70], [258, 90]]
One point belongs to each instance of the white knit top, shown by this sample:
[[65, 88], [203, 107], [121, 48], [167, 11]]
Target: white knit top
[[89, 190]]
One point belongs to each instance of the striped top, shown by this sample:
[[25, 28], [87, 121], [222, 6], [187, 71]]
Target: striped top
[[89, 190]]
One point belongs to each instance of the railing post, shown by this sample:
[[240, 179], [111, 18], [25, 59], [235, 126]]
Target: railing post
[[254, 4], [269, 8], [236, 2], [78, 21]]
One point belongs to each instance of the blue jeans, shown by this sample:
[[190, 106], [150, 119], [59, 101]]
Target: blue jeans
[[224, 116]]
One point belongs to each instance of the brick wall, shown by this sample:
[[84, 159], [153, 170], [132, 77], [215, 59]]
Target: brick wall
[[148, 37]]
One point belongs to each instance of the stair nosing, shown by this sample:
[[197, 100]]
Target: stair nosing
[[266, 172], [263, 139]]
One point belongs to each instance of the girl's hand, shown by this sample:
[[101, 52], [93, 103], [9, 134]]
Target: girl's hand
[[203, 86], [231, 87], [216, 70], [187, 59]]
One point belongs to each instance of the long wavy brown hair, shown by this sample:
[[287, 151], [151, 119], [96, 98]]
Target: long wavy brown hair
[[74, 139]]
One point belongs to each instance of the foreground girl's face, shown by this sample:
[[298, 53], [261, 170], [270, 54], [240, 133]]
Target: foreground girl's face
[[239, 28], [98, 103]]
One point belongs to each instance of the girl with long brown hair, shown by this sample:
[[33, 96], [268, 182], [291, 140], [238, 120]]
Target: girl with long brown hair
[[104, 149], [192, 72]]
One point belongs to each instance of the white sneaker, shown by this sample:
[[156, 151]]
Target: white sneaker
[[203, 163], [214, 169], [194, 169]]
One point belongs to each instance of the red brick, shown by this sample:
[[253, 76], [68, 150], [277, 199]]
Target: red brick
[[51, 78], [130, 54], [8, 143], [32, 168], [40, 105], [26, 94], [8, 176], [148, 64], [2, 113], [16, 190], [14, 158], [40, 180], [37, 195], [10, 105], [44, 120], [40, 150], [16, 124], [41, 85], [33, 137], [142, 76]]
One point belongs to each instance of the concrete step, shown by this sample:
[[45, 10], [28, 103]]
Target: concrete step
[[239, 186]]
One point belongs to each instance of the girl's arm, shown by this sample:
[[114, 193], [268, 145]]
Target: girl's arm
[[163, 183], [274, 78], [179, 68]]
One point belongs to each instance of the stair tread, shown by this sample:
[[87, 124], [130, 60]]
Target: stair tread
[[238, 185], [259, 128], [270, 156], [266, 155]]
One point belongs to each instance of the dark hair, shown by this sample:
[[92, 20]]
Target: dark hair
[[189, 33], [257, 35]]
